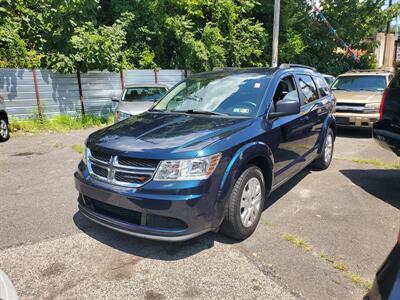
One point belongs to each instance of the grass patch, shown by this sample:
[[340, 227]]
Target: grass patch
[[59, 123], [325, 257], [377, 163], [359, 281], [339, 266], [354, 277], [297, 241], [77, 148]]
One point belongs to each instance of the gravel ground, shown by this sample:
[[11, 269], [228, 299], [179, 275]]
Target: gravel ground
[[348, 213]]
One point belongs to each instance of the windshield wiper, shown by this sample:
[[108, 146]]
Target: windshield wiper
[[199, 112], [156, 109]]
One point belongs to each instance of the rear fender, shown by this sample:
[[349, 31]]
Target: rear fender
[[330, 122]]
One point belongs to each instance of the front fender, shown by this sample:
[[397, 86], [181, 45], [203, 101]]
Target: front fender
[[239, 162], [329, 122]]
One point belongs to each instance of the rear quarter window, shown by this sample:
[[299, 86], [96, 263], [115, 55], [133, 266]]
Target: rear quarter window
[[322, 86]]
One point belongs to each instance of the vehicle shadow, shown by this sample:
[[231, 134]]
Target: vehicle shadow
[[165, 250], [146, 248], [359, 133], [383, 184]]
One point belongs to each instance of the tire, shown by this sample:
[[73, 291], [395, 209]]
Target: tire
[[240, 201], [324, 160], [4, 132]]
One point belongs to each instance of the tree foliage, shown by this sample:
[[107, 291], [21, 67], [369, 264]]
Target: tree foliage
[[195, 34]]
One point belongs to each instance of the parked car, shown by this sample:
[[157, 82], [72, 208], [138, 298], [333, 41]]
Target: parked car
[[208, 154], [386, 285], [387, 130], [7, 289], [359, 95], [329, 79], [137, 98], [4, 132]]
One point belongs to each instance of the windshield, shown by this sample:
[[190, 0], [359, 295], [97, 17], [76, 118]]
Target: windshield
[[237, 94], [358, 83], [143, 93]]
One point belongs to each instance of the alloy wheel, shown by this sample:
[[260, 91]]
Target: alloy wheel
[[250, 202], [3, 129]]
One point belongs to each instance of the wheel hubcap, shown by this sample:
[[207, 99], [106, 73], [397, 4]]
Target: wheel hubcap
[[328, 148], [250, 202], [3, 129]]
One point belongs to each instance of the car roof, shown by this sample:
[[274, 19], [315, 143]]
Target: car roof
[[366, 73], [145, 84]]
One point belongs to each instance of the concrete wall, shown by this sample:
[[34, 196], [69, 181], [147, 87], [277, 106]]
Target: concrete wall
[[59, 93]]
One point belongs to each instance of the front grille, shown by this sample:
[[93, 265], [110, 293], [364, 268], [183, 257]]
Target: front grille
[[127, 177], [138, 162], [123, 171], [350, 107], [100, 155], [99, 171]]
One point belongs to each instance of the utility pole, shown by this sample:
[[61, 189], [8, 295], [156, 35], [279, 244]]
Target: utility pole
[[275, 37]]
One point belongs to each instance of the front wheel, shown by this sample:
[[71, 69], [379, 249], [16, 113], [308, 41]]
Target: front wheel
[[4, 133], [325, 158], [245, 205]]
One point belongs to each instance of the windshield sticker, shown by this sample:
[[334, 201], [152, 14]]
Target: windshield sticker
[[241, 110], [257, 85]]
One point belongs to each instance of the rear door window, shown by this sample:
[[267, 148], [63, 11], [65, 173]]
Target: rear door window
[[308, 88]]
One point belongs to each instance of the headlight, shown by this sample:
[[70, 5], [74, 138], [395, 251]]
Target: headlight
[[372, 107], [122, 116], [187, 169]]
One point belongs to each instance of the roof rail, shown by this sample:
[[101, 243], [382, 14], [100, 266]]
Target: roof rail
[[283, 66]]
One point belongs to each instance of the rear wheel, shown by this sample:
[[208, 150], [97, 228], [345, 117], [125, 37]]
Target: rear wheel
[[4, 133], [325, 159], [245, 205]]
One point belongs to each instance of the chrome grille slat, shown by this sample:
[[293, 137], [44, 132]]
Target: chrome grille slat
[[110, 171]]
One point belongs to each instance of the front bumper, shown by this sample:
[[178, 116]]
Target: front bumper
[[387, 135], [167, 211], [356, 119]]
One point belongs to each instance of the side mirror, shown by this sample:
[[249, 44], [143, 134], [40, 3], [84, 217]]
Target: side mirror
[[114, 99], [285, 108]]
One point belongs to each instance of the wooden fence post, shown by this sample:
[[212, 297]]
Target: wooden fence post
[[155, 74], [39, 111], [78, 74], [121, 75]]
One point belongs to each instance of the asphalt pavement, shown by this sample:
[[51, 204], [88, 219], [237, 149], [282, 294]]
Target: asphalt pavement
[[321, 236]]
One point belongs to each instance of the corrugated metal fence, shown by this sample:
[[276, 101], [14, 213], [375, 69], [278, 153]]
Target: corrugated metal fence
[[59, 93]]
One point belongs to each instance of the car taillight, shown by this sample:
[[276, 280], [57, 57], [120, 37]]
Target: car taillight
[[382, 103]]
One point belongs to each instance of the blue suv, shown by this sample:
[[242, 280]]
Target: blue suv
[[208, 154]]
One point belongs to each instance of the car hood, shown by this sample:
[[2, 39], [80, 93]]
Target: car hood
[[134, 107], [358, 96], [165, 135]]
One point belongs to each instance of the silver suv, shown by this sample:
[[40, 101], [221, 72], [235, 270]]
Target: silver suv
[[4, 132], [138, 98]]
